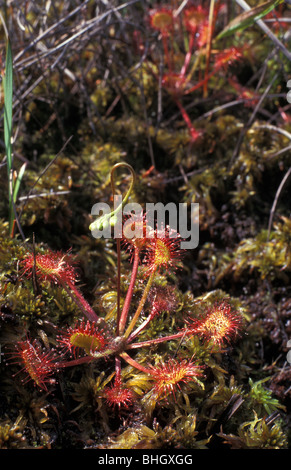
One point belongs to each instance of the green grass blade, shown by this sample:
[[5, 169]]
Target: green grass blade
[[18, 181], [8, 98], [248, 18]]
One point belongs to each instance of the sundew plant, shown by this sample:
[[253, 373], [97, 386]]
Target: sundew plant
[[115, 331], [93, 338]]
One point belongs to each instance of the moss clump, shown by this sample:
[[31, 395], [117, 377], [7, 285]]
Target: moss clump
[[11, 436]]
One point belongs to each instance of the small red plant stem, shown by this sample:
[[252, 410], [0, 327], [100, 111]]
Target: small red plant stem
[[151, 342], [199, 84], [134, 363], [140, 328], [117, 165], [74, 362], [117, 368], [194, 133], [187, 57], [141, 304], [77, 297], [126, 305], [205, 80]]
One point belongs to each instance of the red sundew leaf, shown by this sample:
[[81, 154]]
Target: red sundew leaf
[[194, 18], [174, 83], [37, 363], [250, 97], [219, 324], [53, 266], [118, 395], [134, 232], [162, 19], [227, 57], [163, 252], [169, 375], [85, 335]]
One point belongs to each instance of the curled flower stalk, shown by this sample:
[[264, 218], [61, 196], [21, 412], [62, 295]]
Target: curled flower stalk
[[111, 220]]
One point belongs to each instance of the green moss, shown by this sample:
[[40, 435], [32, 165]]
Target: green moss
[[11, 436], [257, 434], [268, 253]]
